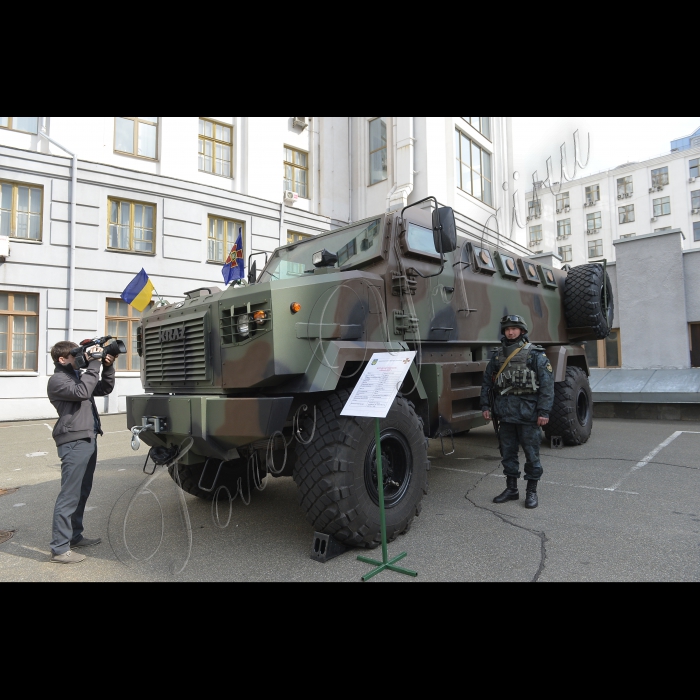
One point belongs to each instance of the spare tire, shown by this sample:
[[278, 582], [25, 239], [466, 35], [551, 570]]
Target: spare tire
[[584, 300]]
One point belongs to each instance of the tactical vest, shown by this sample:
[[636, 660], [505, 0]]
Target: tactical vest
[[518, 379]]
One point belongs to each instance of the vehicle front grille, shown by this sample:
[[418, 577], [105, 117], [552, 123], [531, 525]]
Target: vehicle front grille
[[176, 353]]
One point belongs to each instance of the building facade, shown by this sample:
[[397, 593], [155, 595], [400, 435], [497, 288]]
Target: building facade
[[581, 220], [172, 194]]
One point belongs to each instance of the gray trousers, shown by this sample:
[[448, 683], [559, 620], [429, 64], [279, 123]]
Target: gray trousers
[[78, 462]]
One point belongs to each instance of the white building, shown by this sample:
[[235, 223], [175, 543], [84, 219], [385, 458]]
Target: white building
[[170, 194], [581, 220]]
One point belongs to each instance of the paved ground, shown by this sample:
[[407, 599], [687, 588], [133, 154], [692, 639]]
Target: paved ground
[[606, 515]]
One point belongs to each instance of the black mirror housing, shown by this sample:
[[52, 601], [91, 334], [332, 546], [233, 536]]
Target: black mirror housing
[[445, 230]]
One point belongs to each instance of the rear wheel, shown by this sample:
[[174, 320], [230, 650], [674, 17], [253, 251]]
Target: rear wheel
[[337, 473], [572, 415]]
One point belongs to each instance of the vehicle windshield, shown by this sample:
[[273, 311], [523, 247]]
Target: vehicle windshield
[[353, 246]]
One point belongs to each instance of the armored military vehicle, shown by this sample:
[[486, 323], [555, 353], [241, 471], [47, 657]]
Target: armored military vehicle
[[257, 375]]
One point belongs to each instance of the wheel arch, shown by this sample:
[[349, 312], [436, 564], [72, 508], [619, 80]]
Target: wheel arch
[[562, 357]]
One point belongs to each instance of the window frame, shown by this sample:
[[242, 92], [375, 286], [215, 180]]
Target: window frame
[[14, 212], [133, 203], [458, 156], [602, 350], [563, 200], [624, 214], [696, 167], [228, 244], [377, 150], [625, 186], [596, 190], [566, 253], [480, 128], [695, 199], [10, 314], [10, 127], [664, 174], [566, 225], [130, 319], [535, 241], [295, 166], [214, 141], [696, 231], [594, 216], [137, 122], [598, 245], [296, 237], [662, 202]]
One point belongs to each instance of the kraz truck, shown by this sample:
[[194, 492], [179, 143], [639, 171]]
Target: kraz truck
[[257, 374]]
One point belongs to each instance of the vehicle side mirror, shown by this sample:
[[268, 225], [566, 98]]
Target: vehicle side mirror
[[445, 230], [253, 274]]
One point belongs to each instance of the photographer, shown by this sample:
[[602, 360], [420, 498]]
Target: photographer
[[72, 394]]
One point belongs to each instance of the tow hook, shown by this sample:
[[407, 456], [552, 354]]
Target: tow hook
[[150, 424]]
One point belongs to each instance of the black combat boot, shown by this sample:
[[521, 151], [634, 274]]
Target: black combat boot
[[511, 493], [531, 500]]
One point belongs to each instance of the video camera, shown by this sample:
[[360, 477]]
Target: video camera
[[108, 346]]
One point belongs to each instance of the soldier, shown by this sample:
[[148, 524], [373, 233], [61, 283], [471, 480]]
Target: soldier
[[518, 391]]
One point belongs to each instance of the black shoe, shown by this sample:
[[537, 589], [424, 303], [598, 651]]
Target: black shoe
[[531, 500], [511, 493]]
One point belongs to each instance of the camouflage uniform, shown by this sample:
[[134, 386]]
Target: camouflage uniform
[[518, 414]]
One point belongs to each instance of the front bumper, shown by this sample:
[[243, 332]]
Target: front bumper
[[218, 426]]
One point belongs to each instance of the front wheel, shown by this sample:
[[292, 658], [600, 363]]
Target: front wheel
[[572, 415], [337, 473]]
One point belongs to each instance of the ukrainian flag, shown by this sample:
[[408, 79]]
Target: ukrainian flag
[[140, 292]]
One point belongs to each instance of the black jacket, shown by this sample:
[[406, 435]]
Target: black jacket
[[74, 402]]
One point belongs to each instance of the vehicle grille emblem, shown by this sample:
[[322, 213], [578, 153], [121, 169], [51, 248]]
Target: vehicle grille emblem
[[170, 335]]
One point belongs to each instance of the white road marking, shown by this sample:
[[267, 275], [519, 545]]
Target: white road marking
[[549, 483], [37, 454], [19, 505], [18, 470], [122, 470], [33, 425], [89, 509], [650, 457]]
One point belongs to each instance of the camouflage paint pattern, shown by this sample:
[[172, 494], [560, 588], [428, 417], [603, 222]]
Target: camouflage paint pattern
[[228, 392]]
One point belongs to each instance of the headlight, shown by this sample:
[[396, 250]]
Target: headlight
[[260, 317], [244, 326]]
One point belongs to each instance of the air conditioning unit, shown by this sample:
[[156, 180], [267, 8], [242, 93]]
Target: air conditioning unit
[[692, 180], [291, 197], [4, 247], [567, 209], [654, 219], [620, 196], [629, 195], [652, 190], [559, 211], [695, 212], [301, 122]]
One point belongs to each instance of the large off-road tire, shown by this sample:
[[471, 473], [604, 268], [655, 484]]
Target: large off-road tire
[[584, 300], [572, 415], [189, 476], [337, 477]]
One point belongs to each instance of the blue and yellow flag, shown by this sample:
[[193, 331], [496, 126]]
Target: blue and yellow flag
[[140, 292]]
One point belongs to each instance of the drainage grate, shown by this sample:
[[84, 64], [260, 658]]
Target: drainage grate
[[9, 492], [6, 536]]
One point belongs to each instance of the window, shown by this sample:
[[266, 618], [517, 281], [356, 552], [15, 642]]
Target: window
[[627, 235], [695, 199], [566, 253], [659, 178], [534, 209], [695, 143], [535, 235], [696, 231], [123, 322], [695, 344], [595, 249], [19, 332], [593, 193], [481, 124], [21, 211], [378, 151], [137, 136], [27, 124], [215, 148], [296, 237], [661, 230], [563, 201], [223, 234], [625, 186], [695, 168], [605, 354], [594, 222], [563, 228], [473, 169], [627, 214], [131, 226], [296, 172], [662, 207]]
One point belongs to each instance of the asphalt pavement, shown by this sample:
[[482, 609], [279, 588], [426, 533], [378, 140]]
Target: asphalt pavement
[[624, 507]]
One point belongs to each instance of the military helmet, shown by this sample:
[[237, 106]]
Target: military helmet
[[513, 322]]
